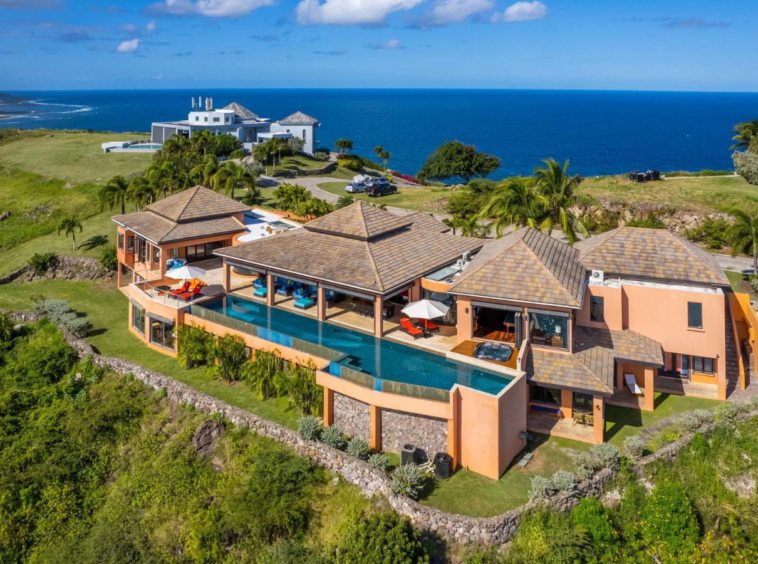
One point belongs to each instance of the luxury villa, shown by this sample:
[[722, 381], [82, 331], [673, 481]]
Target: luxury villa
[[240, 122], [539, 335]]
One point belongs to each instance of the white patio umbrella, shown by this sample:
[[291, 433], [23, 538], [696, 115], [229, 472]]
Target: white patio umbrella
[[425, 309], [185, 272]]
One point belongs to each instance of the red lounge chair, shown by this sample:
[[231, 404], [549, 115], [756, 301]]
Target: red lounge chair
[[181, 290], [430, 326], [415, 332], [187, 295]]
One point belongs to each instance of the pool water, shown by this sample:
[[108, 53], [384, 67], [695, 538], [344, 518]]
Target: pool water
[[142, 146], [380, 358]]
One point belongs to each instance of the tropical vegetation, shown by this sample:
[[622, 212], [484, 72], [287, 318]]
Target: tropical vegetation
[[742, 234], [457, 160], [68, 226]]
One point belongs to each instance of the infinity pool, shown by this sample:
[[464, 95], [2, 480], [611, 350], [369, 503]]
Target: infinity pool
[[381, 358]]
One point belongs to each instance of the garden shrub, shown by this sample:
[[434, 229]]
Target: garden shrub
[[607, 455], [380, 461], [265, 374], [670, 524], [358, 448], [195, 346], [650, 221], [754, 402], [306, 395], [237, 154], [407, 480], [386, 538], [746, 165], [634, 447], [60, 313], [109, 258], [309, 428], [586, 465], [229, 359], [320, 156], [334, 437], [565, 481], [223, 145], [351, 163], [41, 263], [542, 488], [699, 444], [703, 416], [726, 411], [688, 422], [712, 232], [590, 515], [549, 537]]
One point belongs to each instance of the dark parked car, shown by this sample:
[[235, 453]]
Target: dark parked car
[[380, 187]]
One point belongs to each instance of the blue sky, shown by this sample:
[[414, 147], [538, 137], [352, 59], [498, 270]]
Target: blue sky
[[703, 45]]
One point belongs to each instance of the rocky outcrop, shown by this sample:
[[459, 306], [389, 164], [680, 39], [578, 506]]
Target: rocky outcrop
[[63, 268], [329, 167], [205, 437]]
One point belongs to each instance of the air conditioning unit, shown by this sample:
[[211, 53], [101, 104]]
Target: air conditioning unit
[[597, 277], [467, 256]]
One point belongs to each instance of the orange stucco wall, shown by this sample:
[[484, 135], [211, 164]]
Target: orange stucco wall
[[158, 309], [661, 314]]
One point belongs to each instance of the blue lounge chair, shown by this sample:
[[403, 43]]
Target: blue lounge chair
[[260, 282], [304, 303], [300, 293], [261, 292]]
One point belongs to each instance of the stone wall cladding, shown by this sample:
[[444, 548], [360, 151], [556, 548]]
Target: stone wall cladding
[[456, 528], [353, 417], [64, 268], [426, 433], [331, 167]]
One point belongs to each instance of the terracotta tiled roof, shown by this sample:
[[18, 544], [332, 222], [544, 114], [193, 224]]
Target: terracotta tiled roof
[[241, 111], [298, 118], [528, 266], [160, 230], [360, 221], [423, 220], [650, 253], [196, 203], [345, 252], [591, 366]]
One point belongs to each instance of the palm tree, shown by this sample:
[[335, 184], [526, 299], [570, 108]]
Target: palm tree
[[141, 192], [344, 201], [231, 176], [175, 145], [455, 223], [344, 145], [252, 197], [205, 170], [514, 202], [470, 227], [114, 193], [746, 135], [69, 225], [556, 194], [261, 152], [742, 235], [383, 155], [201, 141]]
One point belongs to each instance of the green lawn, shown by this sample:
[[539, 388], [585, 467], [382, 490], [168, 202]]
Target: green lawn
[[74, 157], [107, 309], [704, 194], [424, 199], [469, 493]]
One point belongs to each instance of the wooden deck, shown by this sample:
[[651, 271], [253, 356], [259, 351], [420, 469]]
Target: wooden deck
[[466, 348]]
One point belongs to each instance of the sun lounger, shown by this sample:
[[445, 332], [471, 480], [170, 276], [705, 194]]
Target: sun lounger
[[181, 290], [260, 282], [304, 303], [260, 292], [300, 294], [414, 332], [632, 385], [193, 292], [429, 326]]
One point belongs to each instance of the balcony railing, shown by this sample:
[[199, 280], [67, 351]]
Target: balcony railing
[[388, 386], [275, 337]]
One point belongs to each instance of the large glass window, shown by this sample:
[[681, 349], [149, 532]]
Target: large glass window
[[548, 330], [703, 365], [597, 309], [138, 319], [442, 297], [694, 315], [121, 241], [142, 250], [130, 243], [545, 395], [156, 254], [203, 252], [582, 403], [162, 333]]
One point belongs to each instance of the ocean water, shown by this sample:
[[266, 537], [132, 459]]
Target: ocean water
[[600, 132]]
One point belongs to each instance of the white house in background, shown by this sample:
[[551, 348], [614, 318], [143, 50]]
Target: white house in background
[[236, 120]]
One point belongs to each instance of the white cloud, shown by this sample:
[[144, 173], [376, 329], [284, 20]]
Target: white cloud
[[391, 44], [129, 28], [212, 8], [151, 27], [350, 12], [451, 11], [521, 12], [128, 46]]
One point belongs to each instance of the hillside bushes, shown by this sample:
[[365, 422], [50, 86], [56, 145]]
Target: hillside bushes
[[61, 313]]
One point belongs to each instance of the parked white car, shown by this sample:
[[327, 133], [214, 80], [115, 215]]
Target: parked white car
[[355, 188]]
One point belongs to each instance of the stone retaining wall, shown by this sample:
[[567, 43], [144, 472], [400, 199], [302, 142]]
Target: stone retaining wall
[[353, 417], [330, 167], [427, 433], [457, 528], [63, 268]]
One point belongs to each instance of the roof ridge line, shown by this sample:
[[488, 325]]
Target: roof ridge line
[[592, 373], [196, 188], [470, 273], [374, 269], [539, 260], [617, 231]]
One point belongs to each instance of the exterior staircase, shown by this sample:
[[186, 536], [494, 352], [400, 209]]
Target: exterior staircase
[[733, 391]]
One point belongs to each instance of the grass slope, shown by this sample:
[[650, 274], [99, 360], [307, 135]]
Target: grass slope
[[107, 309], [424, 199], [700, 193], [74, 157]]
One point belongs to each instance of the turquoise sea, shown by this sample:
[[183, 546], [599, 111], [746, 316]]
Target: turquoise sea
[[601, 132]]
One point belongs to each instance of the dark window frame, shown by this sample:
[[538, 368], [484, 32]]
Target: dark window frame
[[156, 254], [597, 309], [703, 365], [130, 243], [585, 403], [138, 319], [565, 330], [165, 332], [692, 316], [121, 241], [544, 395]]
